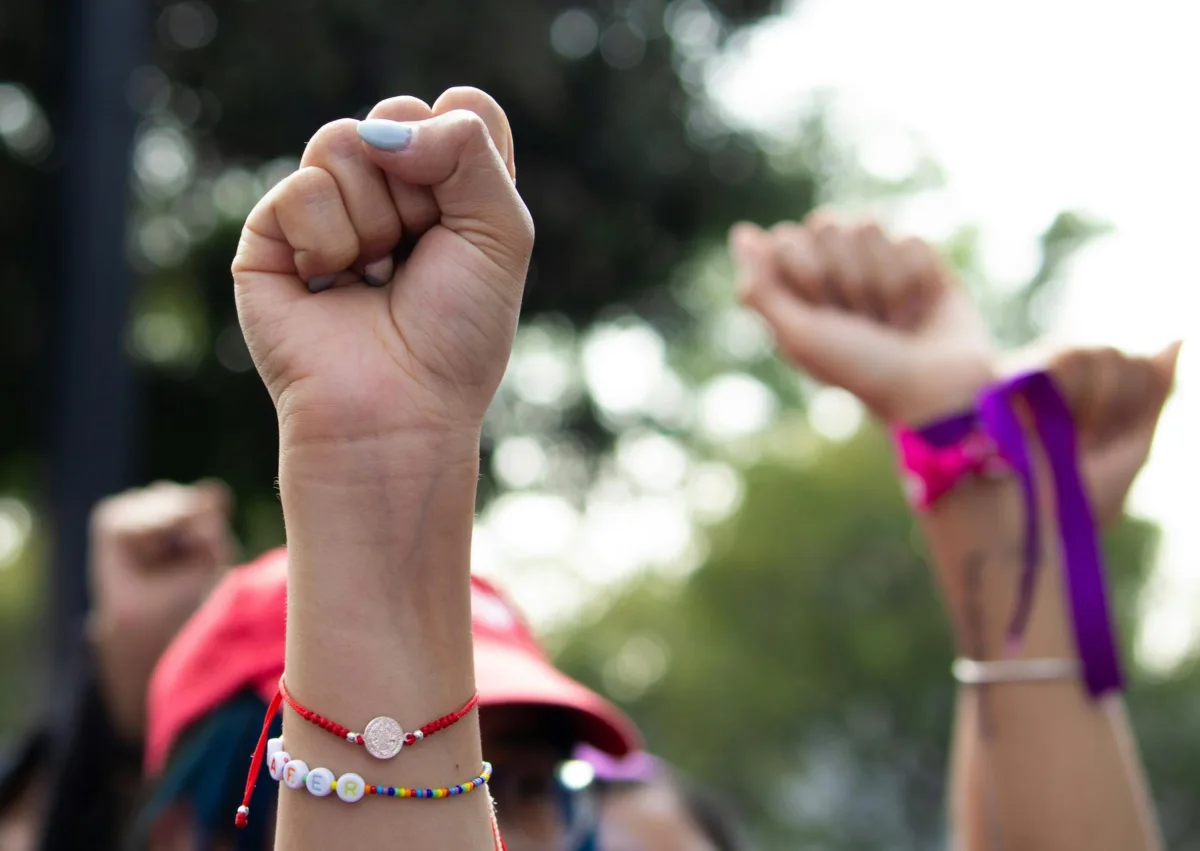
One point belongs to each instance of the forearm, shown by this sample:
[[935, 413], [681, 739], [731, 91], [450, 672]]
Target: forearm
[[1036, 765], [379, 624]]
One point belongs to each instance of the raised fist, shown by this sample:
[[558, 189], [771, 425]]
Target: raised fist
[[154, 553], [379, 285], [884, 319]]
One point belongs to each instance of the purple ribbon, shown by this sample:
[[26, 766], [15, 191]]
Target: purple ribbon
[[996, 415]]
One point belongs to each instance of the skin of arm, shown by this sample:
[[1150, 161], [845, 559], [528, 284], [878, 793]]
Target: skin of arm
[[381, 363], [1041, 765], [391, 634], [1034, 765]]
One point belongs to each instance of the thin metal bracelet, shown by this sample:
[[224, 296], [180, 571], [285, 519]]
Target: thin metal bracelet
[[974, 673]]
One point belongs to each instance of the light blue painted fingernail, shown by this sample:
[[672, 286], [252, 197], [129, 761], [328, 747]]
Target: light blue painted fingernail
[[385, 135], [321, 282]]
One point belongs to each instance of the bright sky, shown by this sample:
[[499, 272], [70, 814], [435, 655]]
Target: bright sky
[[1031, 107]]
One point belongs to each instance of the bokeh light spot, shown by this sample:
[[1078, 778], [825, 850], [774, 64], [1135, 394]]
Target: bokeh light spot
[[574, 34]]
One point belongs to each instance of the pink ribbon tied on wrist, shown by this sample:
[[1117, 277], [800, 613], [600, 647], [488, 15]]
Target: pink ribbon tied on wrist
[[990, 440], [941, 468]]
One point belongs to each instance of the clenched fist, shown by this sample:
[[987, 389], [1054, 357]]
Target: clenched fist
[[884, 319], [379, 285], [153, 554]]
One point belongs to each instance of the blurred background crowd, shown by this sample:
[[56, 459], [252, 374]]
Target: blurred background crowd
[[710, 541]]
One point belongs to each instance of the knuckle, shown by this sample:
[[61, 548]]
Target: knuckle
[[402, 108], [102, 515], [822, 221], [474, 128], [459, 93], [334, 255], [869, 231], [338, 137], [307, 185], [379, 234]]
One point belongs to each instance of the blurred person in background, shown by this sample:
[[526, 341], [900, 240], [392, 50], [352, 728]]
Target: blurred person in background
[[154, 553], [1036, 764], [645, 803]]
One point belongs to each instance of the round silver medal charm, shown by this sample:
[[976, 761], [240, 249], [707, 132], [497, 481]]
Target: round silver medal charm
[[383, 738]]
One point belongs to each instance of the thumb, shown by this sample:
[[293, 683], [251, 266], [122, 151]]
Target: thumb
[[454, 154], [1165, 364], [1162, 379]]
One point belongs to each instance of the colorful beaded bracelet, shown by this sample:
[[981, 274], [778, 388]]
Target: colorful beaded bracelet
[[383, 737], [350, 787]]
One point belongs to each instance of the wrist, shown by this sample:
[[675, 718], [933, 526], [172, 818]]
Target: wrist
[[953, 393], [379, 540], [392, 456]]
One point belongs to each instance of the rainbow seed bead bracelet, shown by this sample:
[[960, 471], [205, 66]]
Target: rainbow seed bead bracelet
[[350, 787]]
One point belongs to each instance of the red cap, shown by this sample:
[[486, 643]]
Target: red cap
[[235, 641]]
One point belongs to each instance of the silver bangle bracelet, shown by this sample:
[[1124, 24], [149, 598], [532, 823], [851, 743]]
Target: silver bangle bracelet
[[973, 673]]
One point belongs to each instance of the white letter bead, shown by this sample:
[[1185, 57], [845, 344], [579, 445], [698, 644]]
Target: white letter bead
[[351, 788], [293, 773], [319, 782], [275, 765], [273, 747]]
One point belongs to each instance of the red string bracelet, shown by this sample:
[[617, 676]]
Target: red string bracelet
[[383, 737], [243, 813], [496, 837]]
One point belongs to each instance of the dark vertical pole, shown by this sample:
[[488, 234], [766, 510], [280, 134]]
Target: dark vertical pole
[[93, 384]]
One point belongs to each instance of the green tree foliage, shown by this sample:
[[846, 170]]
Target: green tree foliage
[[622, 159], [803, 667]]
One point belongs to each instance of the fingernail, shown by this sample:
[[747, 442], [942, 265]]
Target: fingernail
[[378, 273], [385, 135], [321, 282]]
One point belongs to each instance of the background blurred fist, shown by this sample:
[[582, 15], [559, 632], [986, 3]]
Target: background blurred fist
[[882, 318], [154, 553], [379, 285]]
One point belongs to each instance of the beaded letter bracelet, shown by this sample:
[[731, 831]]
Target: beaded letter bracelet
[[350, 787], [383, 737]]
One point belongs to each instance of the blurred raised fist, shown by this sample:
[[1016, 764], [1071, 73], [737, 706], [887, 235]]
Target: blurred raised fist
[[1116, 400], [884, 319], [154, 553], [379, 285]]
